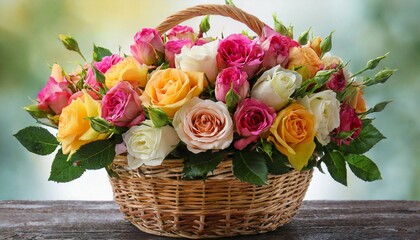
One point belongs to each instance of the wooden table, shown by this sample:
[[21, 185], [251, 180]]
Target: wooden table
[[316, 220]]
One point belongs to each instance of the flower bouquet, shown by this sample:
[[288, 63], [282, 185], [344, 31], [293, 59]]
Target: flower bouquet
[[207, 136]]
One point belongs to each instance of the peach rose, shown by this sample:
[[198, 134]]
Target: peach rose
[[171, 88], [74, 128], [306, 59], [315, 44], [126, 70], [293, 134], [356, 100]]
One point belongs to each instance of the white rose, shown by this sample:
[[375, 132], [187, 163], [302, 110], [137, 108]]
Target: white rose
[[199, 59], [275, 86], [203, 125], [149, 145], [326, 108]]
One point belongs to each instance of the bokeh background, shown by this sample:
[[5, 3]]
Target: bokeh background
[[363, 30]]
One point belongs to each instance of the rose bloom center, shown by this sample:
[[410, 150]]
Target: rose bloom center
[[205, 124]]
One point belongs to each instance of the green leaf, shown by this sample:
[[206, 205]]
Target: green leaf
[[378, 107], [95, 155], [158, 117], [199, 165], [100, 52], [363, 167], [37, 140], [250, 167], [278, 164], [336, 166], [100, 78], [35, 112], [63, 170], [99, 124], [368, 137]]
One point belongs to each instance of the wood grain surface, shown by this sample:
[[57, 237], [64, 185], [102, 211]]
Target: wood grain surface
[[316, 220]]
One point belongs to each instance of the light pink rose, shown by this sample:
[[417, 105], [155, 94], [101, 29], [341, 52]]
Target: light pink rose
[[276, 48], [174, 47], [54, 96], [204, 125], [121, 106], [239, 51], [148, 47], [181, 32], [107, 62], [231, 77], [252, 118]]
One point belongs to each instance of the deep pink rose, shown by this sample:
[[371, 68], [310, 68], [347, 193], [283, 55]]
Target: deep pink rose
[[107, 62], [349, 121], [122, 106], [276, 48], [148, 47], [231, 77], [252, 118], [337, 81], [174, 47], [239, 51], [54, 96], [181, 32]]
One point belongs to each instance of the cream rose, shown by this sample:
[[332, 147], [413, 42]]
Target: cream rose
[[199, 59], [203, 125], [326, 109], [275, 86], [149, 145]]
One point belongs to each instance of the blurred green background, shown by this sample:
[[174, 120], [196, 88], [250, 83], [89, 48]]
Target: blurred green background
[[363, 30]]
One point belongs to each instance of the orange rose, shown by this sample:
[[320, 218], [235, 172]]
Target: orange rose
[[171, 88], [315, 44], [356, 100], [293, 134], [306, 59], [127, 70]]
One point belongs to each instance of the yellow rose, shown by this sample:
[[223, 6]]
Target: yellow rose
[[293, 134], [74, 128], [171, 88], [306, 59], [315, 44], [127, 70]]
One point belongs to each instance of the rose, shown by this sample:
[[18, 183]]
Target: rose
[[91, 80], [199, 59], [355, 98], [203, 125], [174, 47], [107, 62], [349, 122], [74, 129], [337, 81], [149, 145], [276, 48], [315, 44], [293, 133], [252, 119], [306, 59], [239, 51], [127, 70], [326, 108], [275, 86], [121, 106], [231, 77], [54, 96], [148, 47], [181, 32], [171, 88]]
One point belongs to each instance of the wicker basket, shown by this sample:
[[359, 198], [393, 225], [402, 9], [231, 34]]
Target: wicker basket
[[158, 201]]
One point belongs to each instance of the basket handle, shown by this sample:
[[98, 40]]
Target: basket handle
[[212, 9]]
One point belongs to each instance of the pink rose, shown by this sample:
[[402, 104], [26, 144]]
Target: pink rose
[[122, 106], [181, 32], [54, 96], [239, 51], [91, 79], [276, 48], [337, 81], [231, 77], [252, 118], [204, 125], [107, 62], [148, 47], [174, 47], [349, 121]]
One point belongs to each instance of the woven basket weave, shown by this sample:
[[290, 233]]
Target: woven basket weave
[[158, 201]]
